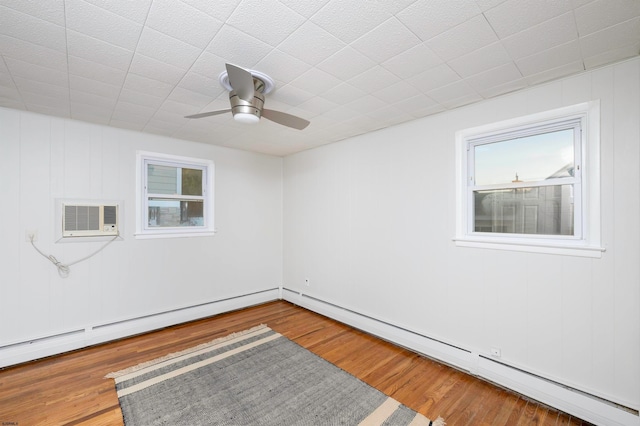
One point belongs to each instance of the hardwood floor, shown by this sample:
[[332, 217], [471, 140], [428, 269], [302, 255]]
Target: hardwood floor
[[71, 389]]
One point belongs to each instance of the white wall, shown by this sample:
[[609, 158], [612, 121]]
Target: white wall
[[370, 222], [43, 158]]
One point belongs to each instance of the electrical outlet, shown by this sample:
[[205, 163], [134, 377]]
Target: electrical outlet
[[496, 352], [307, 282], [31, 235]]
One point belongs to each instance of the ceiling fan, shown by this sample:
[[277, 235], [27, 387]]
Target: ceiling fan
[[246, 95]]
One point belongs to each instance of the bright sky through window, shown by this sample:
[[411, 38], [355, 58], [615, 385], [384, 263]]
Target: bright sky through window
[[531, 158]]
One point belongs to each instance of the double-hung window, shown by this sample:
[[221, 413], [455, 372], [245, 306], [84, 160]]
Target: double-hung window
[[175, 196], [531, 184]]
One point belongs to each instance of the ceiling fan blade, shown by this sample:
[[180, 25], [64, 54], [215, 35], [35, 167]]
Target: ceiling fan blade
[[285, 119], [208, 114], [242, 82]]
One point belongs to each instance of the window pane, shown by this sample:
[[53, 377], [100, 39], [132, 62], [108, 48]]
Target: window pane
[[173, 213], [191, 181], [526, 159], [162, 179], [544, 210]]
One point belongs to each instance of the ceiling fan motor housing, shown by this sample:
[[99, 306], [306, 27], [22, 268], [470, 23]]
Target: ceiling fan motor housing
[[244, 107]]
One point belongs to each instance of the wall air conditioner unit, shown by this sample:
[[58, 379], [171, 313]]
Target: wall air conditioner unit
[[89, 220]]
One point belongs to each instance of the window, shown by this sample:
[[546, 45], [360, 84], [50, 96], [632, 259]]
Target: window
[[532, 184], [175, 196]]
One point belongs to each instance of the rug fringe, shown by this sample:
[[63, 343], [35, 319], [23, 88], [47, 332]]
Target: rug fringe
[[172, 355], [438, 422]]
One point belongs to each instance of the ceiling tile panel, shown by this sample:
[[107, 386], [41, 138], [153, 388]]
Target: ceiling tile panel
[[480, 60], [51, 10], [428, 18], [38, 87], [152, 87], [167, 49], [503, 88], [156, 70], [282, 67], [196, 101], [485, 5], [412, 61], [45, 99], [31, 29], [238, 47], [205, 86], [348, 21], [416, 105], [612, 55], [600, 14], [374, 79], [513, 16], [86, 98], [346, 63], [208, 65], [386, 41], [33, 53], [343, 94], [91, 49], [397, 92], [266, 20], [455, 94], [550, 59], [551, 33], [495, 77], [99, 23], [315, 106], [135, 11], [433, 78], [22, 69], [99, 72], [305, 8], [183, 22], [554, 73], [462, 39], [311, 44], [623, 34], [126, 111], [220, 9], [88, 85], [316, 81]]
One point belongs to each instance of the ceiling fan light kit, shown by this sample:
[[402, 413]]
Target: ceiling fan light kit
[[246, 96]]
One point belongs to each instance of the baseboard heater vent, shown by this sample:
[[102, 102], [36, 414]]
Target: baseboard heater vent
[[177, 310], [42, 339], [562, 385]]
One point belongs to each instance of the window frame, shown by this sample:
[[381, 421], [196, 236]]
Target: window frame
[[143, 230], [586, 238]]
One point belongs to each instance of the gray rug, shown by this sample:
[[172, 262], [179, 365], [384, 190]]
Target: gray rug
[[256, 377]]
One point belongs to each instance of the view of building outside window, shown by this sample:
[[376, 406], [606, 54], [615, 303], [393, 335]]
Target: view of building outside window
[[175, 196], [525, 185]]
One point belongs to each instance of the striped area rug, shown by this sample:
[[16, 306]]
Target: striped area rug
[[255, 377]]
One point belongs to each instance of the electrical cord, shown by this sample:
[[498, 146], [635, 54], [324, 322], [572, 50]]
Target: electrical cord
[[64, 268]]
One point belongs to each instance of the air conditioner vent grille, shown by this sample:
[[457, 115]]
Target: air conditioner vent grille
[[80, 220]]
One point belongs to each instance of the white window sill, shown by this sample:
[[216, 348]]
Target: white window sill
[[155, 235], [567, 249]]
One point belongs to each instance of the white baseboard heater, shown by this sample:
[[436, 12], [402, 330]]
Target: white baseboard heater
[[575, 402]]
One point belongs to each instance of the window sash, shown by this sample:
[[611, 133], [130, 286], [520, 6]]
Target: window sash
[[195, 225], [574, 123]]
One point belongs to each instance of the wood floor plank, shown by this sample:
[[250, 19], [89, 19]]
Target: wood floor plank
[[71, 388]]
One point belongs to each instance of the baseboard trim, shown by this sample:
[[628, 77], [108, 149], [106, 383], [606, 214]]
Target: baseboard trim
[[579, 404], [44, 346]]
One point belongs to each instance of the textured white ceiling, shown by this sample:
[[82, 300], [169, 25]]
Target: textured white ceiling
[[348, 66]]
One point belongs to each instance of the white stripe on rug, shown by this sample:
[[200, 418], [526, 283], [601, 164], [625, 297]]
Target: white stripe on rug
[[146, 367], [382, 413], [195, 366]]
